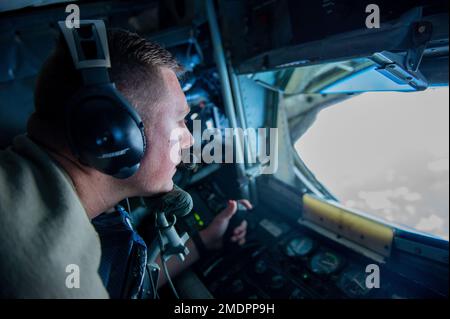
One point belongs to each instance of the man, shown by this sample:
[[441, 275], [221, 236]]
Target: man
[[48, 247]]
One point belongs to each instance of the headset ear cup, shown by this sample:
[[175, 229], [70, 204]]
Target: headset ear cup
[[133, 113], [103, 133], [103, 130]]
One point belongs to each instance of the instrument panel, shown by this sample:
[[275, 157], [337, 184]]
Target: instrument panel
[[297, 268], [283, 260]]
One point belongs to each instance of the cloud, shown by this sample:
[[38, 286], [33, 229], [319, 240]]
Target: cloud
[[384, 199], [430, 224], [439, 166], [377, 200]]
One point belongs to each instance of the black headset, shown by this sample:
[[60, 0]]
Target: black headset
[[103, 130]]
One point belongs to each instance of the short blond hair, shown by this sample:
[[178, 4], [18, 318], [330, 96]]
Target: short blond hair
[[135, 69]]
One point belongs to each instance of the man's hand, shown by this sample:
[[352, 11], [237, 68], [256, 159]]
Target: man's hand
[[212, 236]]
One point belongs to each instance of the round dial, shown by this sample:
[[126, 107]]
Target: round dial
[[353, 283], [325, 263], [277, 282], [299, 247], [297, 294], [260, 267]]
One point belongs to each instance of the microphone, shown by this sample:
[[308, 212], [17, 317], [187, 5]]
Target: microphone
[[176, 202]]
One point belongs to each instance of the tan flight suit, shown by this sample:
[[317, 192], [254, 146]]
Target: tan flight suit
[[45, 234]]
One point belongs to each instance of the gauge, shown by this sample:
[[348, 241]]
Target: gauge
[[260, 267], [299, 247], [237, 286], [325, 263], [353, 283], [297, 294], [277, 282]]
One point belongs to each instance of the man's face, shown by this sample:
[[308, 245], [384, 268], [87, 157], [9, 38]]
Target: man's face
[[167, 135]]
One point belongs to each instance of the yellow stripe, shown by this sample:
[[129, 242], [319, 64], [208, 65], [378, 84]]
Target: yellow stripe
[[364, 231]]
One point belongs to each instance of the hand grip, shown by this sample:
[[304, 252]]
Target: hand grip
[[235, 221]]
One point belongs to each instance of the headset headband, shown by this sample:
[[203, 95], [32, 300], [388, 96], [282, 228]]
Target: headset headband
[[88, 46]]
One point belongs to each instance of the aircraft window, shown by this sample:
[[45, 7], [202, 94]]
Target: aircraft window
[[386, 154]]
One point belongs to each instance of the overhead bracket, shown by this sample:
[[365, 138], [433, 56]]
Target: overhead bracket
[[404, 69]]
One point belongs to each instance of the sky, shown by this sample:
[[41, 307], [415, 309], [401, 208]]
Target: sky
[[386, 153]]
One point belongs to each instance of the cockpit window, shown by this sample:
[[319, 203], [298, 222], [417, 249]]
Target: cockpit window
[[387, 154]]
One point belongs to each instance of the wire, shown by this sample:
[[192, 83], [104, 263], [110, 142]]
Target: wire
[[128, 205], [154, 288], [166, 270]]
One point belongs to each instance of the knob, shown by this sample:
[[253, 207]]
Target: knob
[[297, 294], [260, 267], [277, 282], [237, 286]]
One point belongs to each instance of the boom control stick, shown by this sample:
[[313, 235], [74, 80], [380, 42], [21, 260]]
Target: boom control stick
[[235, 221]]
